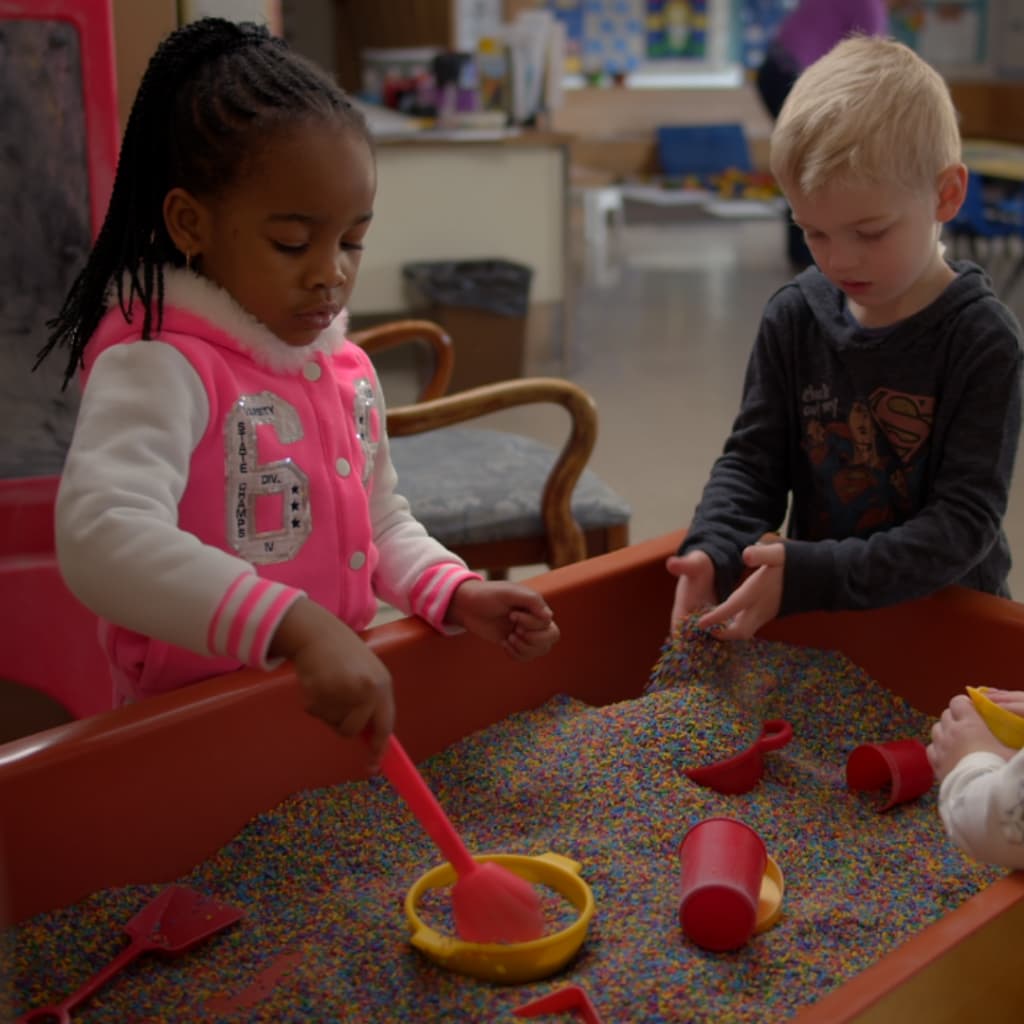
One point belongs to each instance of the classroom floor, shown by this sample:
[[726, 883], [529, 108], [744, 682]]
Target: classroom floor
[[661, 331]]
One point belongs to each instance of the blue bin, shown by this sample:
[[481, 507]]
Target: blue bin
[[702, 149]]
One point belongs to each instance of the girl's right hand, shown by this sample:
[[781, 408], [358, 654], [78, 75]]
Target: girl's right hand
[[345, 683]]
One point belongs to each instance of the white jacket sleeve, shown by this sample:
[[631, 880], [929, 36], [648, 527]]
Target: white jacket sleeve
[[120, 549], [981, 803]]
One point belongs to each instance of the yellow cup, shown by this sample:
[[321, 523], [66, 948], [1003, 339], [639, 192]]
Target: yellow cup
[[1006, 726], [507, 962]]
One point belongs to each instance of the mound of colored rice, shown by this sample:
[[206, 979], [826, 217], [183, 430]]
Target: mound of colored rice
[[322, 877]]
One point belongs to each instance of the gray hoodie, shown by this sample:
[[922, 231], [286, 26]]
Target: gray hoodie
[[897, 446]]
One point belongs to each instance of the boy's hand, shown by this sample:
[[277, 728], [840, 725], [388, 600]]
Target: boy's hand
[[695, 588], [959, 732], [514, 617], [756, 600], [344, 682]]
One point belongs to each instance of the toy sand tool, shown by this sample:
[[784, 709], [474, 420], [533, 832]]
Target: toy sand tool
[[490, 903], [741, 773], [1004, 724], [572, 998], [178, 919]]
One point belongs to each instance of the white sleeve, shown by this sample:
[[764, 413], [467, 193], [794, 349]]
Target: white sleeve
[[120, 549], [981, 803]]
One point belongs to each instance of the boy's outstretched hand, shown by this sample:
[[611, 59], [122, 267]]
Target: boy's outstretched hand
[[962, 731], [756, 600], [695, 587], [507, 614]]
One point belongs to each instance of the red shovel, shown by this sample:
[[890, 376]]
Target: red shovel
[[175, 921], [489, 902]]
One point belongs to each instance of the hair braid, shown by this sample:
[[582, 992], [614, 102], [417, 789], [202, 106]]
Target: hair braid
[[209, 95]]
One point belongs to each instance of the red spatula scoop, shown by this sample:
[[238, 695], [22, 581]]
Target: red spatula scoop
[[489, 902], [175, 921]]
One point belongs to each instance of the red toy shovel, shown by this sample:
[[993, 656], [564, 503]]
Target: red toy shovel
[[571, 997], [489, 902], [178, 919]]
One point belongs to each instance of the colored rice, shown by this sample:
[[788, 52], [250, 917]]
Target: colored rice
[[322, 876]]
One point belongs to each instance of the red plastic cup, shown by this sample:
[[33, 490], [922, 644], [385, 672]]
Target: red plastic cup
[[723, 862], [900, 765]]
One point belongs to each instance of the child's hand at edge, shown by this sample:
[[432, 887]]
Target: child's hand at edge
[[958, 732], [345, 684], [756, 600], [512, 616], [695, 586], [1012, 700]]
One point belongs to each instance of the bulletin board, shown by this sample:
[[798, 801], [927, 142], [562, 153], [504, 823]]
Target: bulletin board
[[946, 33], [757, 21], [621, 36], [59, 135]]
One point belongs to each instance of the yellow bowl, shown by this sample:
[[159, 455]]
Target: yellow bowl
[[769, 903], [511, 962], [1006, 726]]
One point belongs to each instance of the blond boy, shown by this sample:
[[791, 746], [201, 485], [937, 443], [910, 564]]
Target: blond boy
[[881, 405]]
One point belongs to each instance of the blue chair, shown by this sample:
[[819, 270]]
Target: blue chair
[[702, 149], [977, 219], [498, 499], [1011, 211]]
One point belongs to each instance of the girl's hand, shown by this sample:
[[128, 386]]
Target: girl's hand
[[695, 588], [514, 617], [345, 683], [959, 732], [756, 600]]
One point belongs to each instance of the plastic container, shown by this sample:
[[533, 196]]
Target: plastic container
[[723, 862], [902, 766], [1005, 725], [507, 962]]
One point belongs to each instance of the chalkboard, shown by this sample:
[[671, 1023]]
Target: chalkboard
[[58, 139]]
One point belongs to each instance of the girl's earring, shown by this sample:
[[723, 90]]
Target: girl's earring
[[188, 259]]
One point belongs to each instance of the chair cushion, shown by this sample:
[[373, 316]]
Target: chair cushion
[[468, 485]]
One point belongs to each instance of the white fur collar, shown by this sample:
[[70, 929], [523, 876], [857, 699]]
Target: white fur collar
[[188, 291]]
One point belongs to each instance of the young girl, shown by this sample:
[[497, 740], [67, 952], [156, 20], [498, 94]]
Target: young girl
[[981, 799], [228, 498]]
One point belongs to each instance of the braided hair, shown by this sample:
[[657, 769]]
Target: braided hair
[[210, 95]]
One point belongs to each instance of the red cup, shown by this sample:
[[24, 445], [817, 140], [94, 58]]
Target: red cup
[[723, 862], [900, 765]]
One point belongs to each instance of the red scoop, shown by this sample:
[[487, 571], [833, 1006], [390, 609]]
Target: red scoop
[[490, 903], [741, 773], [175, 921], [570, 997]]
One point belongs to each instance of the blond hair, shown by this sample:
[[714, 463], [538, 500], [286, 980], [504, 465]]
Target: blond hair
[[869, 112]]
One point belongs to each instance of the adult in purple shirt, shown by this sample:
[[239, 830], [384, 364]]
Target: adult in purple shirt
[[806, 34]]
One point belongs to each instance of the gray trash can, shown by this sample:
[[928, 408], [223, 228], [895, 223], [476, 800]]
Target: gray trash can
[[483, 305]]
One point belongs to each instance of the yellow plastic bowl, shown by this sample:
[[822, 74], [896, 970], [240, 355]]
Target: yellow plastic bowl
[[1006, 726], [769, 903], [512, 962]]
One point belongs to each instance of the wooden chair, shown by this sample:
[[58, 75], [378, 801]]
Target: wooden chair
[[497, 499]]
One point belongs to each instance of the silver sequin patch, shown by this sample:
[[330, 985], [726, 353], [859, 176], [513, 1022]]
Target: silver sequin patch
[[365, 402], [248, 480]]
